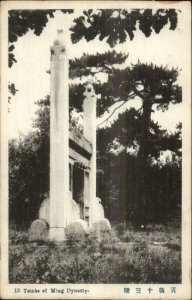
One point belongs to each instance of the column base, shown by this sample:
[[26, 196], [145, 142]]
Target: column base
[[57, 234]]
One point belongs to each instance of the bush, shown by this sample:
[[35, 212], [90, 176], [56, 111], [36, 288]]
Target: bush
[[133, 257]]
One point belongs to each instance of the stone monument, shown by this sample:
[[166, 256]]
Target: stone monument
[[71, 205]]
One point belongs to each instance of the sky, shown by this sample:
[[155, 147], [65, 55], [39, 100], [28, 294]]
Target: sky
[[33, 60]]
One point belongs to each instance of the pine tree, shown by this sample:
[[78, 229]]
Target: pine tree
[[156, 87]]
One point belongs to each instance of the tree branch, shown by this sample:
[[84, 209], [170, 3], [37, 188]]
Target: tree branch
[[138, 110], [116, 110], [107, 68], [138, 93]]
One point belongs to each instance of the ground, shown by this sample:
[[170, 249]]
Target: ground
[[124, 255]]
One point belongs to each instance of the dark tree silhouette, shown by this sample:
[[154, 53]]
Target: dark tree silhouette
[[117, 24], [29, 168], [88, 65], [156, 87], [12, 91], [122, 192]]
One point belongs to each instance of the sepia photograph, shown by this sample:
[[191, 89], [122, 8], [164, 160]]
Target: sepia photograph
[[95, 162]]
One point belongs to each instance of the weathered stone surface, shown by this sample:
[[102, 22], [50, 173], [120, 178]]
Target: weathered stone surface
[[77, 229], [38, 230], [44, 208], [73, 211], [57, 234], [59, 139], [98, 210], [102, 225], [89, 132]]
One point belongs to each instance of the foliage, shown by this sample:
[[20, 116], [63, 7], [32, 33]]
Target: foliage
[[156, 87], [42, 120], [20, 21], [95, 63], [104, 260], [12, 91], [147, 81], [91, 65], [29, 168], [116, 24], [120, 192], [126, 131]]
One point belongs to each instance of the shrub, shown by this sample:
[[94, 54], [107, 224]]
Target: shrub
[[133, 258]]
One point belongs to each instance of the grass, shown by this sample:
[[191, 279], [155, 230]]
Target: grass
[[124, 255]]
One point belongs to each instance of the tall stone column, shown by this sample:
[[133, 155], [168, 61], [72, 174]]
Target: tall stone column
[[59, 141], [89, 132]]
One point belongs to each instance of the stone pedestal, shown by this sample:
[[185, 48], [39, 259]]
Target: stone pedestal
[[77, 230], [39, 230]]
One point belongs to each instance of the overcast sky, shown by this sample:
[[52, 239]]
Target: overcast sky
[[33, 59]]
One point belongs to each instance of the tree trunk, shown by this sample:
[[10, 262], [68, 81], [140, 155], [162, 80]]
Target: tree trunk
[[142, 164]]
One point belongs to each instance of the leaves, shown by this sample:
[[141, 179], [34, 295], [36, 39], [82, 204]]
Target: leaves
[[113, 24], [147, 81], [12, 90], [93, 64], [20, 21], [127, 131], [29, 168], [116, 24], [124, 256]]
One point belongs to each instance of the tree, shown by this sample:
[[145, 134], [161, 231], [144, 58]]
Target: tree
[[91, 65], [156, 87], [29, 168], [118, 161], [153, 85]]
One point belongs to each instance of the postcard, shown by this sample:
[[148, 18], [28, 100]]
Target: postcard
[[95, 150]]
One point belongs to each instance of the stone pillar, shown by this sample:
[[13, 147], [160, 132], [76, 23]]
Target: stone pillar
[[89, 132], [59, 141]]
